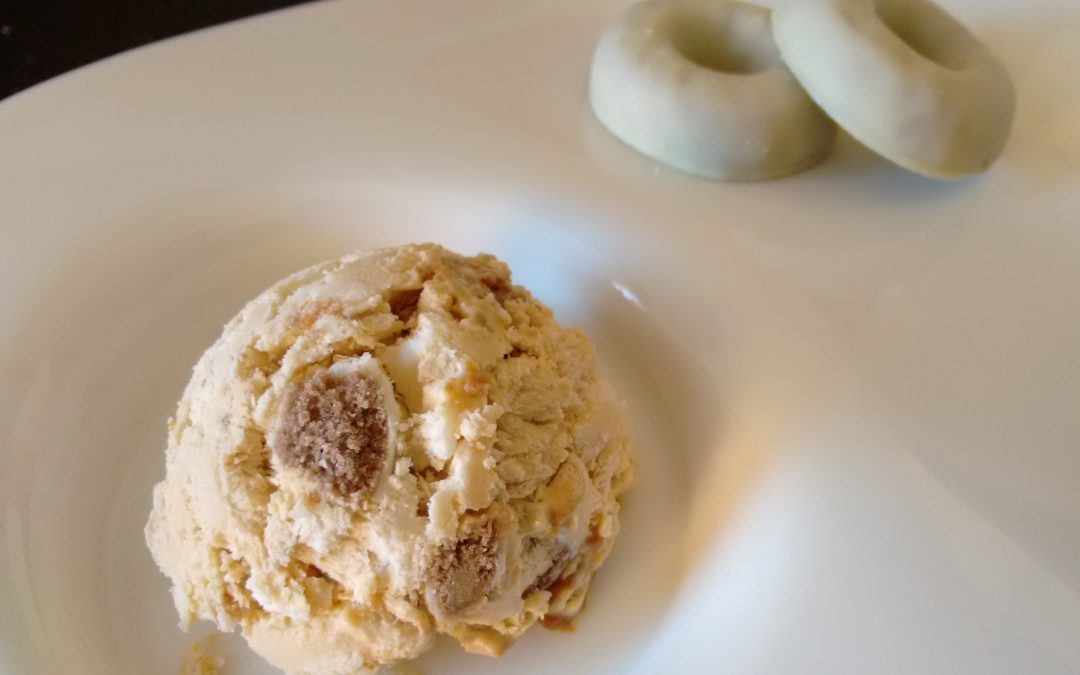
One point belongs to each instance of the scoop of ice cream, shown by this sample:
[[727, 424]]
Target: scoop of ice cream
[[383, 448]]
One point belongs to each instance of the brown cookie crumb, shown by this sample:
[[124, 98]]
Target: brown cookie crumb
[[462, 572], [336, 428], [559, 557]]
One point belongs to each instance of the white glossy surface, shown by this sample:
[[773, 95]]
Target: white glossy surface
[[855, 390]]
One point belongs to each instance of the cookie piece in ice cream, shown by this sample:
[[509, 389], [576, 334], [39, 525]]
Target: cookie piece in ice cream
[[336, 427]]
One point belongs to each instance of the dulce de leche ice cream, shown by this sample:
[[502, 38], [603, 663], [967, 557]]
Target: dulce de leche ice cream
[[386, 447]]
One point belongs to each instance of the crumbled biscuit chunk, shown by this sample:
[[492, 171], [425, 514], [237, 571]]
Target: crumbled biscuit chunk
[[559, 557], [462, 572], [336, 428]]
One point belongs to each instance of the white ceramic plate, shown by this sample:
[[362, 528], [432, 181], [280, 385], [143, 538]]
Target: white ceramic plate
[[856, 392]]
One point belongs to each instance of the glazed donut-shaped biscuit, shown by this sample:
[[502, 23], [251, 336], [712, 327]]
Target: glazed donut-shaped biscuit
[[903, 77], [699, 85]]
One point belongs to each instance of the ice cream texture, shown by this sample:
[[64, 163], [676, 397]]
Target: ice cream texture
[[386, 447]]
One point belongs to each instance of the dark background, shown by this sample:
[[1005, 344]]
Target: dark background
[[40, 39]]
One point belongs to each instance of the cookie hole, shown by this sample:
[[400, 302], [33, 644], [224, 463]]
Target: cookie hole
[[928, 36], [729, 38]]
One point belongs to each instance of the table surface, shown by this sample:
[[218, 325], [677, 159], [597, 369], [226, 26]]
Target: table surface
[[43, 39]]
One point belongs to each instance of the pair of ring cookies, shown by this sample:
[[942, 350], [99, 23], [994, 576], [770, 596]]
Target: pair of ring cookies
[[728, 90]]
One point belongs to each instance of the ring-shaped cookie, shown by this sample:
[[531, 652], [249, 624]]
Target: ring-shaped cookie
[[700, 86], [903, 77]]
